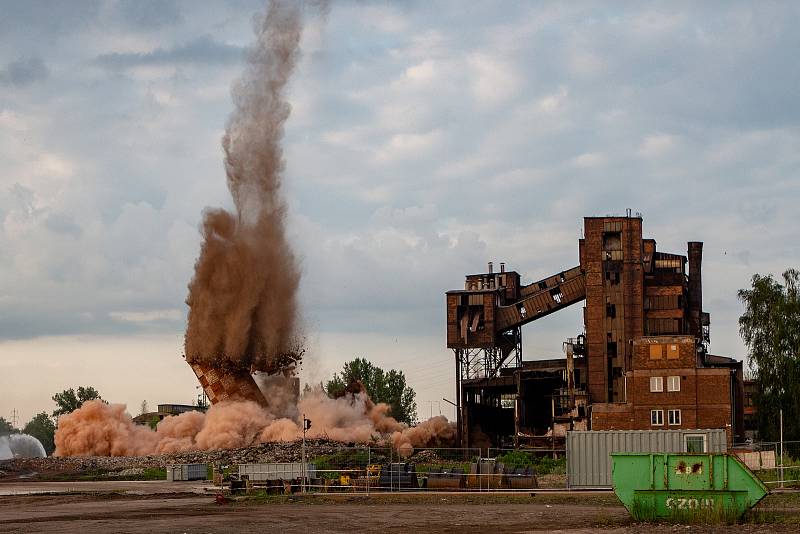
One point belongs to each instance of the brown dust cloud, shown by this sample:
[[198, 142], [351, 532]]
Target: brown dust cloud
[[243, 310]]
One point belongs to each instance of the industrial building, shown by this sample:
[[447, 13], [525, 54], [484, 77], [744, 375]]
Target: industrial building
[[641, 361], [166, 410]]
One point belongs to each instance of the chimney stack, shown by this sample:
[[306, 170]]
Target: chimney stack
[[502, 266], [695, 287], [490, 268]]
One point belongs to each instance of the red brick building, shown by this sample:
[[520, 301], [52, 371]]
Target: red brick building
[[669, 387], [641, 362]]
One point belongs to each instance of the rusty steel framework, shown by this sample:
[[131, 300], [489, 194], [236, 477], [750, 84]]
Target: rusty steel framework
[[475, 362], [630, 290]]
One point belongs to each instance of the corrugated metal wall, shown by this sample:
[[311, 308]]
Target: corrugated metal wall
[[277, 471], [180, 472], [588, 452]]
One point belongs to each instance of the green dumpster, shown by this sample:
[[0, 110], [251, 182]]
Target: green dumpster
[[691, 486]]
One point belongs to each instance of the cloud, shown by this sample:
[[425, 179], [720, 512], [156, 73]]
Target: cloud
[[424, 141], [202, 50], [655, 146], [147, 316], [62, 223], [494, 80], [24, 72], [150, 14]]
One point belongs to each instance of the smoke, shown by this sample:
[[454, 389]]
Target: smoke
[[243, 297], [99, 429]]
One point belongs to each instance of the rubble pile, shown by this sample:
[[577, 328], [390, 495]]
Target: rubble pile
[[265, 452]]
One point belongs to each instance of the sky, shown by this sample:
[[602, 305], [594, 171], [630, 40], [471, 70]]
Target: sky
[[426, 138]]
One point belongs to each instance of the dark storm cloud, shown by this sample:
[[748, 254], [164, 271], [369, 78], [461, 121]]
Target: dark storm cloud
[[203, 50], [23, 72]]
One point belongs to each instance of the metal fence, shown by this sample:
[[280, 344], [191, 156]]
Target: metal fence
[[376, 469], [362, 470], [776, 464]]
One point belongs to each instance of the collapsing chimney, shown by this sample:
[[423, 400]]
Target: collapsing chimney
[[227, 385], [243, 295]]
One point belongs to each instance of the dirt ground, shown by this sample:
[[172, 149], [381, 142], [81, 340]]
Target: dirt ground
[[146, 508]]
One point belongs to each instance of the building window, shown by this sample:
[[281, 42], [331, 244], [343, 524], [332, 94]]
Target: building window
[[695, 443], [674, 417], [656, 417], [673, 353], [655, 351], [673, 383], [656, 384]]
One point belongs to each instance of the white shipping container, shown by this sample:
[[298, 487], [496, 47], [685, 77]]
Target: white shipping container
[[589, 451]]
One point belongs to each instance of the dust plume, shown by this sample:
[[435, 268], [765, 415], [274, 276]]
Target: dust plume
[[99, 429], [243, 297]]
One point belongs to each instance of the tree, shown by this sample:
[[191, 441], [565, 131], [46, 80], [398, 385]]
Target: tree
[[68, 401], [6, 428], [381, 386], [42, 428], [770, 327]]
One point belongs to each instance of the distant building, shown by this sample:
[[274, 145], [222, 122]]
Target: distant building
[[165, 410]]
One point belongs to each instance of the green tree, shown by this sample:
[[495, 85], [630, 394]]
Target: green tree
[[68, 401], [770, 327], [42, 428], [6, 428], [382, 386]]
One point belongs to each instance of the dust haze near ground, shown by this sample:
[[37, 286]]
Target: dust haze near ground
[[100, 429]]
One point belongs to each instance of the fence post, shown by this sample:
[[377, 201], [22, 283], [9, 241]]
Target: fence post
[[369, 461], [781, 423]]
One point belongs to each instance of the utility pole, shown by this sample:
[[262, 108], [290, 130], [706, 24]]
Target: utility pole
[[438, 403]]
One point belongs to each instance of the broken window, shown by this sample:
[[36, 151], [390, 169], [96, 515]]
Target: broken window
[[556, 294], [612, 241]]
